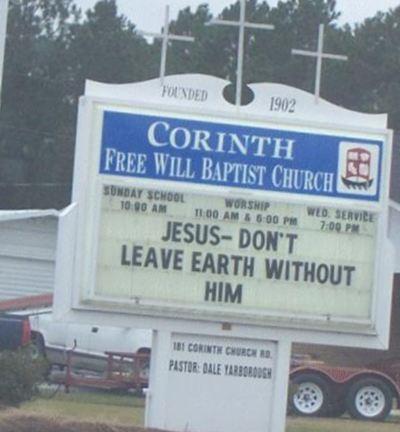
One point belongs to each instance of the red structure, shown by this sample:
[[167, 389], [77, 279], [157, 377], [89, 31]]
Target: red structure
[[125, 371], [366, 393]]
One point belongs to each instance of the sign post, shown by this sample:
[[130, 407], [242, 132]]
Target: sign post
[[231, 234], [217, 384]]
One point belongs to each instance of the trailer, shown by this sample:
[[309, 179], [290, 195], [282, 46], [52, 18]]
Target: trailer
[[367, 393], [125, 371]]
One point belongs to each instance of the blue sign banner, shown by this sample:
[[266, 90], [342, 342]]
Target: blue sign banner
[[245, 157]]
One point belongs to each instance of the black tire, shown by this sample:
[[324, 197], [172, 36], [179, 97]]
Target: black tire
[[369, 399], [37, 347], [38, 353], [311, 395], [145, 364]]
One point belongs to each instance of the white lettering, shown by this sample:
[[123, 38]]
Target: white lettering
[[283, 145], [179, 144], [110, 157], [152, 134], [160, 134], [303, 180]]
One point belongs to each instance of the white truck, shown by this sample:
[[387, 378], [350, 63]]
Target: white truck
[[54, 339]]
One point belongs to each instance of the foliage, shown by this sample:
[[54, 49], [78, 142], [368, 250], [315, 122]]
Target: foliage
[[376, 55], [106, 47], [35, 121], [19, 375], [52, 48]]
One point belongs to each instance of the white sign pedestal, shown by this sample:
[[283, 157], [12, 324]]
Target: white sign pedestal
[[217, 384]]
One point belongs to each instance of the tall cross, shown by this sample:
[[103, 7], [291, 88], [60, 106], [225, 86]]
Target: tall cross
[[242, 24], [166, 36], [320, 55], [3, 33]]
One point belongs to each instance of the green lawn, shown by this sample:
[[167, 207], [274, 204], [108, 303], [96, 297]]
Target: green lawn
[[94, 406], [105, 407], [334, 425]]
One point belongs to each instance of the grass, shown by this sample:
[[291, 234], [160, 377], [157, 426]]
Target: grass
[[128, 410], [89, 406], [297, 424]]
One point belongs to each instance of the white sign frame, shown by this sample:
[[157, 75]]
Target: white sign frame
[[67, 302]]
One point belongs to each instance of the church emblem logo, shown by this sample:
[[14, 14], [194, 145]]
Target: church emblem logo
[[358, 169]]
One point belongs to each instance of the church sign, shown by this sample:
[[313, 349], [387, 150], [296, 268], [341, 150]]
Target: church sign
[[245, 219]]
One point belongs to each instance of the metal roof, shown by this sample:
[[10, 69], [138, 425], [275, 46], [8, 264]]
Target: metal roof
[[27, 253], [6, 215]]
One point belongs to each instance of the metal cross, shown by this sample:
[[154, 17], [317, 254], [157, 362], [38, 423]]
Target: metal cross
[[242, 24], [3, 32], [166, 36], [320, 55]]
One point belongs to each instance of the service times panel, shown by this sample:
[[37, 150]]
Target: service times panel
[[214, 253]]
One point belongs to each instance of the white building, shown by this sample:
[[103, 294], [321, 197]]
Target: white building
[[27, 253]]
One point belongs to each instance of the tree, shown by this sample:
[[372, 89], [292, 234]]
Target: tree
[[107, 48], [296, 26], [267, 53], [50, 53], [376, 65], [34, 108], [52, 49]]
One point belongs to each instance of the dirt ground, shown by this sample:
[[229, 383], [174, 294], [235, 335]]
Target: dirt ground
[[14, 421]]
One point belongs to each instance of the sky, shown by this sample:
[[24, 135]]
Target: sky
[[148, 15]]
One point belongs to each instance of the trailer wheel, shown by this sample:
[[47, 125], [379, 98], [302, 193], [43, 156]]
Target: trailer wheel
[[311, 397], [369, 399]]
